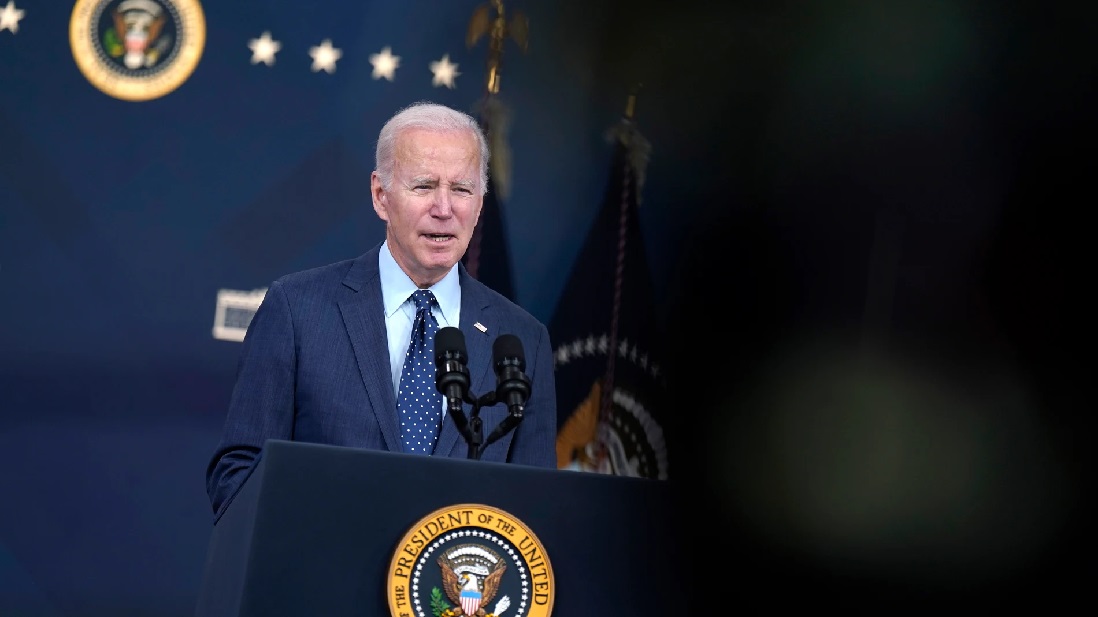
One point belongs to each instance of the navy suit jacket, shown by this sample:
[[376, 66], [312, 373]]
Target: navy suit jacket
[[314, 367]]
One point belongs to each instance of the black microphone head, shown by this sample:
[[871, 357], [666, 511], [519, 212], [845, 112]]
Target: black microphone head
[[507, 349], [450, 345]]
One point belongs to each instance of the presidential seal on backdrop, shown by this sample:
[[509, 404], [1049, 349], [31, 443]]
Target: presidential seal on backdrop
[[137, 50], [470, 559]]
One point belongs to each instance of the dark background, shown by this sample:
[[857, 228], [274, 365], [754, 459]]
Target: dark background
[[865, 222], [893, 218]]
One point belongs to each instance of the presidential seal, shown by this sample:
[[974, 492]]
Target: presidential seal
[[470, 559], [137, 50]]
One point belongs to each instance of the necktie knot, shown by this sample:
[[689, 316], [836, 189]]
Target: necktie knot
[[424, 299]]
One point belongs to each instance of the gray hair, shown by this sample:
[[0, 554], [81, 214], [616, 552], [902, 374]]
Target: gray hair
[[432, 117]]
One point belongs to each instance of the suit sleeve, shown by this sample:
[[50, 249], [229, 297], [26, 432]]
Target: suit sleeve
[[262, 402], [535, 439]]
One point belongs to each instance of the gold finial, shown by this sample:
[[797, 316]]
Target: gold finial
[[498, 29]]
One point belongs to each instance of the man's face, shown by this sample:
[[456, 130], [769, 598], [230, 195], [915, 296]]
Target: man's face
[[433, 201]]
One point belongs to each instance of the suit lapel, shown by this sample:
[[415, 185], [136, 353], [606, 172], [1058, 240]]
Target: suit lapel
[[479, 343], [364, 317], [475, 309]]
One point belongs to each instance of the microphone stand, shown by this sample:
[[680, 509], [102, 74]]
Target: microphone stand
[[472, 428], [475, 437]]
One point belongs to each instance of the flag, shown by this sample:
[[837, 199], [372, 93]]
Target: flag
[[610, 385], [488, 257]]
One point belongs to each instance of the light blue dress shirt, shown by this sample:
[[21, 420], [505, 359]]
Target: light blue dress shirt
[[400, 311]]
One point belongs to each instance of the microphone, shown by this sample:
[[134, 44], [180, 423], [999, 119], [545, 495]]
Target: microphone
[[451, 364], [512, 384]]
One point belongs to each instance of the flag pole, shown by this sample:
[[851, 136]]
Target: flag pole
[[629, 139], [489, 19]]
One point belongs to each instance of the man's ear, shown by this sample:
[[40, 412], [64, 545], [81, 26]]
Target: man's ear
[[379, 197]]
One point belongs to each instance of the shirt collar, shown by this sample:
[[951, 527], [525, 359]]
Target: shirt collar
[[396, 286]]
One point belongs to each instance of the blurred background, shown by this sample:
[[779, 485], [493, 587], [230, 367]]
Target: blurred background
[[837, 248]]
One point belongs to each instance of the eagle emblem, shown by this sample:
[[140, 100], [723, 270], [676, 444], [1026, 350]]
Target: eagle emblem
[[137, 26], [137, 50], [471, 574]]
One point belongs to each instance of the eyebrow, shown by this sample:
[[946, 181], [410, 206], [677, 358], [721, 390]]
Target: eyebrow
[[433, 181]]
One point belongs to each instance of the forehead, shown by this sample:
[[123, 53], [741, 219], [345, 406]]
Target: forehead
[[438, 152]]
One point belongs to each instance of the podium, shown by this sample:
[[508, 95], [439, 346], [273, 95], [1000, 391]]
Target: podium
[[328, 530]]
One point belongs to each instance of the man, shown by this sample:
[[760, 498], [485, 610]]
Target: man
[[323, 357]]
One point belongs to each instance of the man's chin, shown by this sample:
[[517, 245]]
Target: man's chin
[[440, 261]]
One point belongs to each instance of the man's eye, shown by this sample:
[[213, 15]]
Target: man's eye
[[422, 187]]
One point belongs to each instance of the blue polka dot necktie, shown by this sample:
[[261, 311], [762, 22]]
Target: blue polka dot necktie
[[418, 398]]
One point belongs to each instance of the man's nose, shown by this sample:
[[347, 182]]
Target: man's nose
[[443, 202]]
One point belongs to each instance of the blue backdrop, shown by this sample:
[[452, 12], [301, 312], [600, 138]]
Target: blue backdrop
[[842, 183]]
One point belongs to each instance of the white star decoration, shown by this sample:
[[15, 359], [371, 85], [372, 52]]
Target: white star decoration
[[9, 17], [324, 56], [385, 64], [444, 71], [600, 345], [264, 49]]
